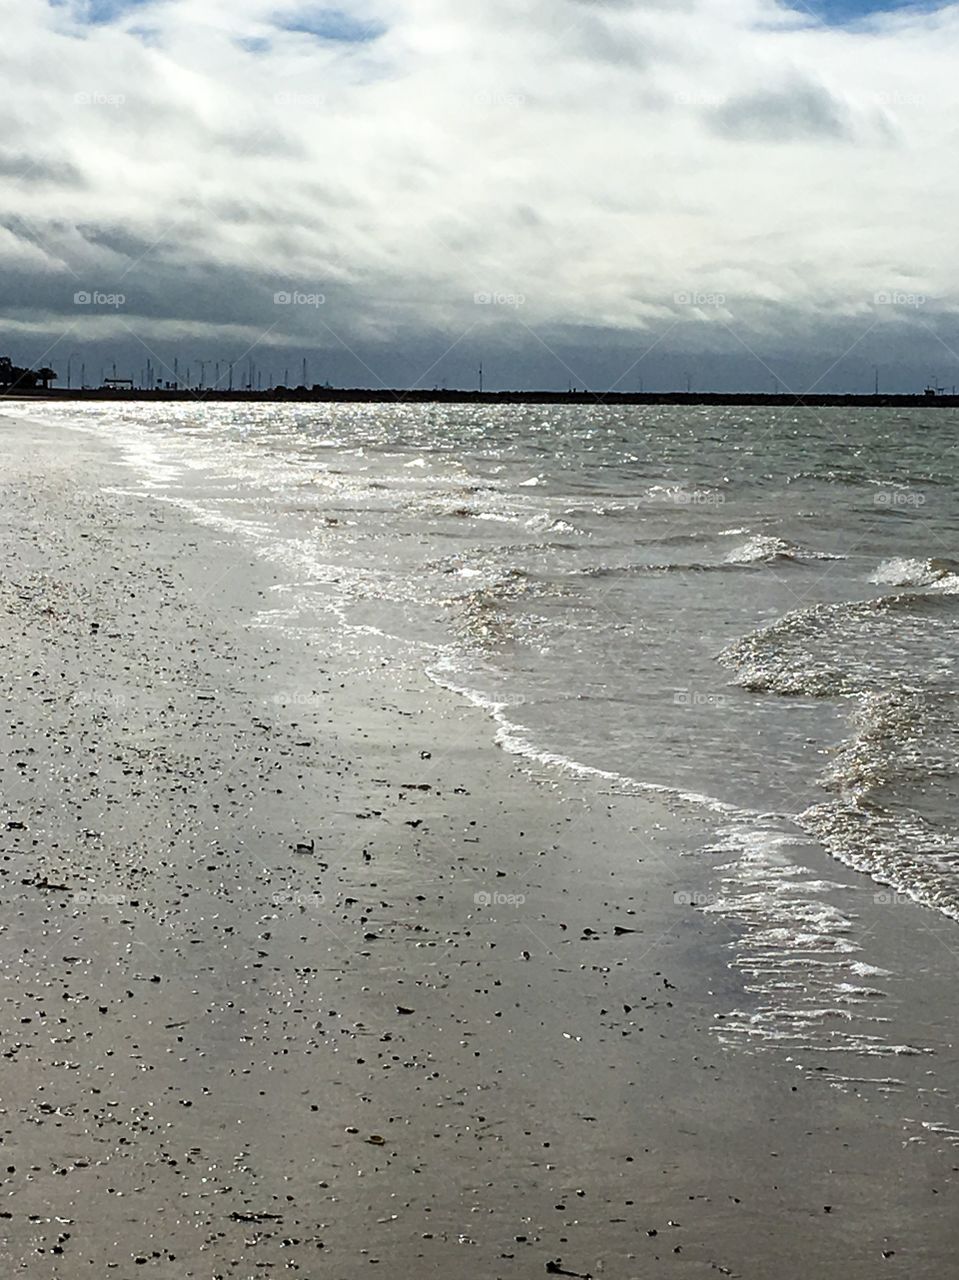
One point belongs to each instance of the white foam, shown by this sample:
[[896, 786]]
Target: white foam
[[869, 970], [903, 571], [761, 548], [798, 953]]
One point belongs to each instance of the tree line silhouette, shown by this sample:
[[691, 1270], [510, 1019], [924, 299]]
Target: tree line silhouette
[[13, 377]]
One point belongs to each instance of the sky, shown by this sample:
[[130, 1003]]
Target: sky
[[724, 194]]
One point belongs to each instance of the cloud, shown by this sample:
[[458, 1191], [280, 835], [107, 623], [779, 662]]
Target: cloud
[[799, 113], [402, 157], [26, 166]]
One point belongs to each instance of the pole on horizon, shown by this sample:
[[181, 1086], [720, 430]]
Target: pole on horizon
[[876, 368], [304, 371], [481, 377]]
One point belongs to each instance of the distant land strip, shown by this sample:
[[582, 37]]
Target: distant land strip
[[359, 395]]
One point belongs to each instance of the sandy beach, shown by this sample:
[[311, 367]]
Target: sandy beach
[[302, 973]]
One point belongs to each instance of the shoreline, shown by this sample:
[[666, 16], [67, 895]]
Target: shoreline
[[337, 1055], [360, 395]]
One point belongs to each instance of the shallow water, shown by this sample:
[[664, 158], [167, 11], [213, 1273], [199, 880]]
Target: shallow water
[[756, 611]]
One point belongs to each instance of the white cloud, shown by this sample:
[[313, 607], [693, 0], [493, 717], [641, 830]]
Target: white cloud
[[597, 159]]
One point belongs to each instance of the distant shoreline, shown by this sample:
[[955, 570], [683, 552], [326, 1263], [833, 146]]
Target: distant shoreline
[[359, 395]]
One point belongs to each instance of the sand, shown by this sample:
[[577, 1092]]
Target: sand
[[301, 973]]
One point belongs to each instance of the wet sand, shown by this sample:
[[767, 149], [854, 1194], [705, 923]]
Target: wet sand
[[302, 974]]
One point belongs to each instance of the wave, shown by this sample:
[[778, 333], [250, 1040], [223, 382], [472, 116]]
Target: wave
[[837, 475], [517, 740], [637, 570], [832, 650], [895, 780], [758, 552], [900, 851], [905, 572], [766, 548]]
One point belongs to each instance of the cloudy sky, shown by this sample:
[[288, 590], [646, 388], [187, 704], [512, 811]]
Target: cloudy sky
[[744, 193]]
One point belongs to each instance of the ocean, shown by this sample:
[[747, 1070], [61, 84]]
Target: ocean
[[754, 610], [751, 613]]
